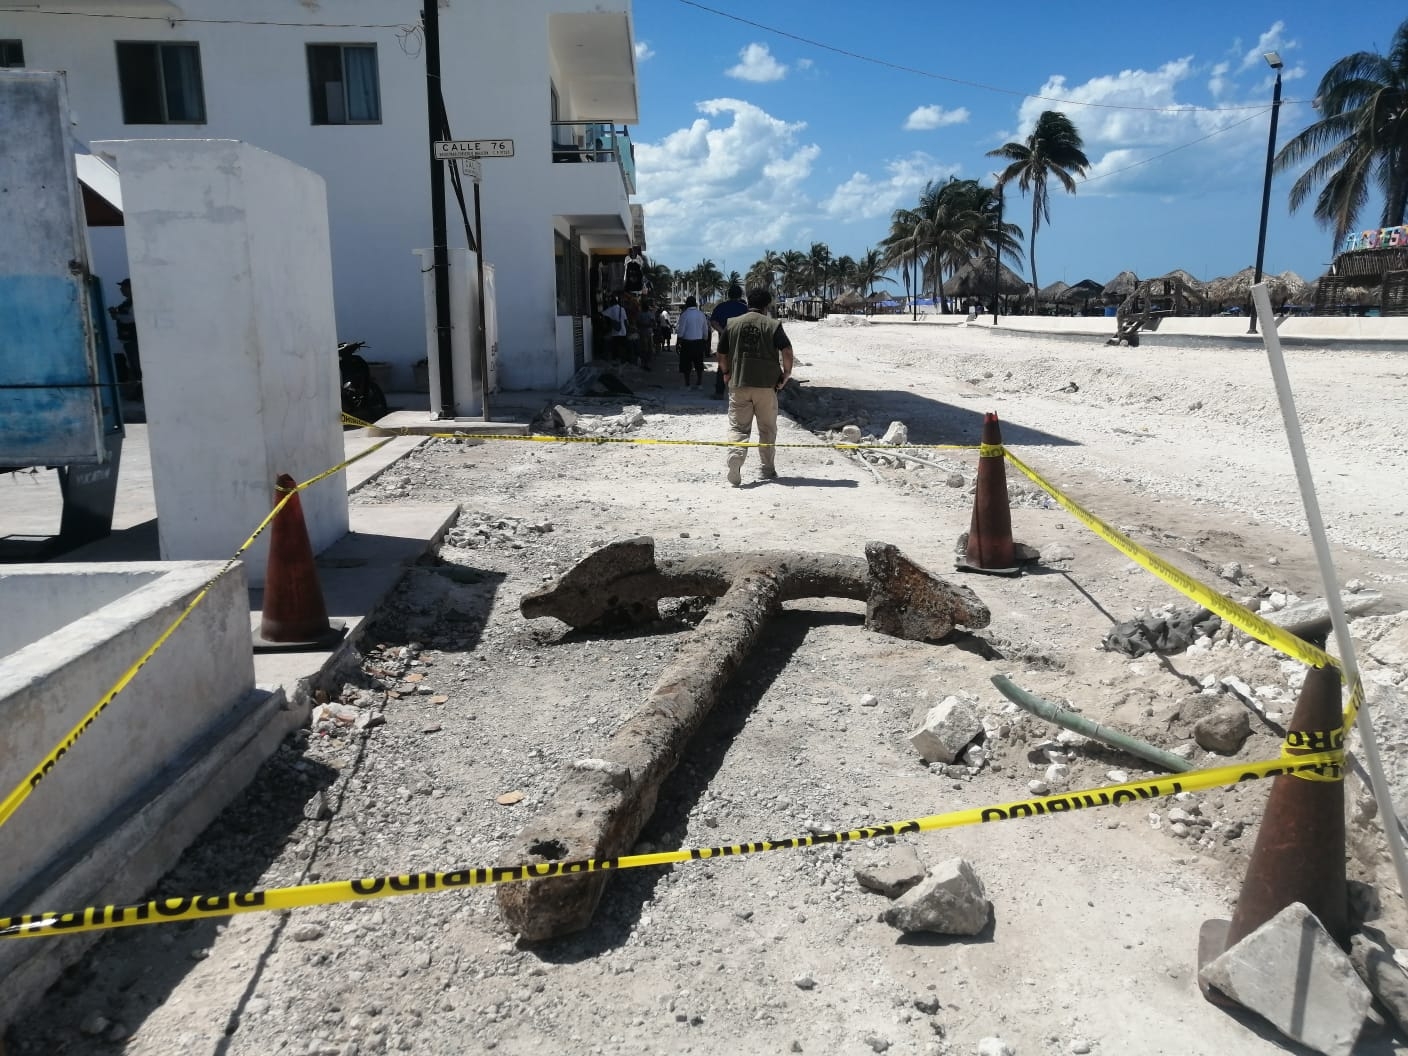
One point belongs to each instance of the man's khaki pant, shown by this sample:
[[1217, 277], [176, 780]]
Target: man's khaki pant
[[745, 405]]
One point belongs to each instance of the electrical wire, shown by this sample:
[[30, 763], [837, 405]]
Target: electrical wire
[[174, 19], [1175, 150], [860, 57]]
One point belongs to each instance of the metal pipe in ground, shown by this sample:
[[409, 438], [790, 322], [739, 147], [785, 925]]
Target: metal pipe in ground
[[1088, 728]]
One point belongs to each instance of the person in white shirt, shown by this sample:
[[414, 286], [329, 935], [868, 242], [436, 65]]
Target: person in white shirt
[[692, 339], [616, 337]]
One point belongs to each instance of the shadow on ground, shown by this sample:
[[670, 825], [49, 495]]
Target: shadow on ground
[[628, 892]]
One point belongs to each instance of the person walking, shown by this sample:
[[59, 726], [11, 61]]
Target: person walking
[[129, 367], [616, 338], [718, 321], [692, 337], [755, 360]]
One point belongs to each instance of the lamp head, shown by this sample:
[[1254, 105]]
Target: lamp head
[[1273, 60]]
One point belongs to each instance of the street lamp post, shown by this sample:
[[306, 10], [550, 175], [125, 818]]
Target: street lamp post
[[997, 254], [1274, 61]]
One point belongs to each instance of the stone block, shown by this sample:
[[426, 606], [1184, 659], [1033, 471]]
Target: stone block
[[1291, 973], [949, 901], [948, 728], [903, 871]]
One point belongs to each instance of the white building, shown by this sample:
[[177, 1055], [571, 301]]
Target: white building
[[340, 88]]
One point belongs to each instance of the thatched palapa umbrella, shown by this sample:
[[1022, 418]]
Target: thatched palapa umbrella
[[1120, 287], [974, 279], [1052, 294], [1297, 289], [849, 299], [1196, 285], [1237, 289], [1082, 292]]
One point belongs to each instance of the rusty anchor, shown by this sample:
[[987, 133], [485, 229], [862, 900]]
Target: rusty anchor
[[602, 804]]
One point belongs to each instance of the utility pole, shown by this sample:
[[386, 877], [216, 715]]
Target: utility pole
[[1274, 61], [430, 19]]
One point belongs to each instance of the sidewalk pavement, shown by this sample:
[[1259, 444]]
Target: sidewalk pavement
[[356, 572]]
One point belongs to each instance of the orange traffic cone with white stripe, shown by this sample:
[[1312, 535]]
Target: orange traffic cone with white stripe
[[294, 614], [1299, 854], [990, 547]]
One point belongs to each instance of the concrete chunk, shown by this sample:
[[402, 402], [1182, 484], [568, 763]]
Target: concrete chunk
[[896, 876], [1290, 972], [950, 726], [949, 901]]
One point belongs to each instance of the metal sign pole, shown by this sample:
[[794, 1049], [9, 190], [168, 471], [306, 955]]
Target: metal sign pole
[[483, 311]]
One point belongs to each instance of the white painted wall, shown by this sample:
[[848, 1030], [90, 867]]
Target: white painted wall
[[47, 687], [233, 300], [496, 76]]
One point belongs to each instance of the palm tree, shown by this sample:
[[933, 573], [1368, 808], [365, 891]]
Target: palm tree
[[903, 246], [870, 269], [1362, 138], [843, 272], [794, 269], [819, 259], [707, 279], [1054, 148], [660, 278]]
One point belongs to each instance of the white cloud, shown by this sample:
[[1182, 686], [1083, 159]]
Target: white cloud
[[643, 51], [804, 64], [1128, 118], [928, 117], [865, 197], [1274, 39], [757, 64], [730, 182]]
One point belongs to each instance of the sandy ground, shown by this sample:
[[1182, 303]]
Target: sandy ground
[[1095, 915]]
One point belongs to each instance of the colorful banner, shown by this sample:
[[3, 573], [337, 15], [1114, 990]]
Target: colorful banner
[[1378, 238]]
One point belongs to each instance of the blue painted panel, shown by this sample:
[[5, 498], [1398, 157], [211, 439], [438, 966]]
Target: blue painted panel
[[43, 343]]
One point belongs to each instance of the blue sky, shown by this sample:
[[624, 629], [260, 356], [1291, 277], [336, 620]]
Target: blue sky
[[752, 139]]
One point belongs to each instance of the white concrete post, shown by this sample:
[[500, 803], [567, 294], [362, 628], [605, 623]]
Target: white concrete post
[[232, 288]]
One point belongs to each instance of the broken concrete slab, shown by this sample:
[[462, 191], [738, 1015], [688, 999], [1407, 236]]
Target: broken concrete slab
[[1373, 958], [898, 874], [949, 727], [907, 601], [1311, 619], [1290, 972], [949, 901]]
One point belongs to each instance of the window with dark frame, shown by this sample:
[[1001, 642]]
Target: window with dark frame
[[562, 259], [160, 83], [344, 85], [11, 54]]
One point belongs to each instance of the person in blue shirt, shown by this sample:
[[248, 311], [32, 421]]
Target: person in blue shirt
[[718, 323]]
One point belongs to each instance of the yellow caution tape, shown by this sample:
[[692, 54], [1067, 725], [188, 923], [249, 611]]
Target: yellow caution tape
[[21, 792], [168, 910], [1229, 610]]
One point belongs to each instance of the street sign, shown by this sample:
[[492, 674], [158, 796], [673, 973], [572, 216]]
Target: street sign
[[471, 168], [446, 149]]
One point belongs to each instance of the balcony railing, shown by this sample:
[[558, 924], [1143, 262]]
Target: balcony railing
[[591, 141]]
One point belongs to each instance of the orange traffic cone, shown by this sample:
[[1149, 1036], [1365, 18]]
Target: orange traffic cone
[[294, 614], [1299, 854], [990, 548]]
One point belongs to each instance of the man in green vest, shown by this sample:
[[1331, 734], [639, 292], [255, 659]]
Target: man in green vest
[[755, 361]]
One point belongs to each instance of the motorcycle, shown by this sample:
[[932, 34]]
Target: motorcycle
[[361, 395]]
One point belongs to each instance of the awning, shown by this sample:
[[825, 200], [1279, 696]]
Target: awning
[[102, 191]]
